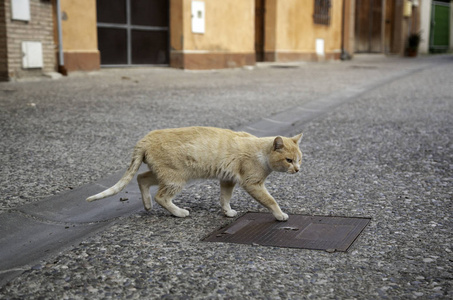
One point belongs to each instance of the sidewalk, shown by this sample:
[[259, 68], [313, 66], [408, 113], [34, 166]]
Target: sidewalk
[[368, 157]]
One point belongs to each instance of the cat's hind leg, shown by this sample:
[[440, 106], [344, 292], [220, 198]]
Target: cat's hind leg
[[165, 196], [145, 181], [226, 190]]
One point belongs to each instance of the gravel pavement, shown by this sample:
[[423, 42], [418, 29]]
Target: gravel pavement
[[387, 154]]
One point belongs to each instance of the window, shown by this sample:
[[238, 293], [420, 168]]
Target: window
[[322, 12]]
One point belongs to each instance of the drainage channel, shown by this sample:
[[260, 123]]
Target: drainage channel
[[38, 230], [304, 232], [35, 231]]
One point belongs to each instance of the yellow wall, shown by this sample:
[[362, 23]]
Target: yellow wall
[[176, 24], [79, 25], [229, 38], [79, 29], [229, 26], [296, 30]]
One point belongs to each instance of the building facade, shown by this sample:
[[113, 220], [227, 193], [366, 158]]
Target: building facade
[[72, 35], [27, 46], [79, 41]]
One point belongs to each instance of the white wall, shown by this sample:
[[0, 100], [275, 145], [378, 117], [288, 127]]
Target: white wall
[[425, 25]]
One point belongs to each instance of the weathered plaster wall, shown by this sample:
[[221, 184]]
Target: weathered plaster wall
[[228, 40], [80, 44]]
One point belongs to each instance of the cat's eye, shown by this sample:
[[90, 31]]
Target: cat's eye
[[289, 160]]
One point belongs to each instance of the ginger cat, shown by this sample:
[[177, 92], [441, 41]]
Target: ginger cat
[[176, 156]]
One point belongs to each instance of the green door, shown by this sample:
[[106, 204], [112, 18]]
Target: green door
[[440, 27]]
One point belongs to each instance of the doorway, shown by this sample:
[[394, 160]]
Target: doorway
[[368, 26], [259, 29], [133, 32], [439, 40]]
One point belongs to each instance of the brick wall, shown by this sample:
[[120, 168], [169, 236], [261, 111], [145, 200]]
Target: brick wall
[[38, 29], [3, 48]]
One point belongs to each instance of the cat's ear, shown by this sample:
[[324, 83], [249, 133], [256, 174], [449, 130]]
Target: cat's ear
[[278, 143], [297, 138]]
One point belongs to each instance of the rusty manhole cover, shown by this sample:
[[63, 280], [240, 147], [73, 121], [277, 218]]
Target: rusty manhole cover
[[308, 232]]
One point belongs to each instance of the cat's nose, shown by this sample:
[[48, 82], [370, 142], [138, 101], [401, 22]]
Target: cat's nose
[[296, 169]]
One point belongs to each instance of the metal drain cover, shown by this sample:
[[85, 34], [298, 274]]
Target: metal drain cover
[[307, 232]]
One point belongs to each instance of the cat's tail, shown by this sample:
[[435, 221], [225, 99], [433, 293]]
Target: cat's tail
[[137, 159]]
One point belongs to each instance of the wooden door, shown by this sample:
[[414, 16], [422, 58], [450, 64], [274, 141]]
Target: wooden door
[[389, 25], [368, 26]]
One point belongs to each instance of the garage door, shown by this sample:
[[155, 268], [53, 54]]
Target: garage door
[[133, 32]]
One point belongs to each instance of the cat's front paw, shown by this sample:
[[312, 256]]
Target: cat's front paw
[[283, 217], [231, 213], [181, 213]]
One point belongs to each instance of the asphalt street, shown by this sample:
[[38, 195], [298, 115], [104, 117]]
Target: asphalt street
[[377, 143]]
